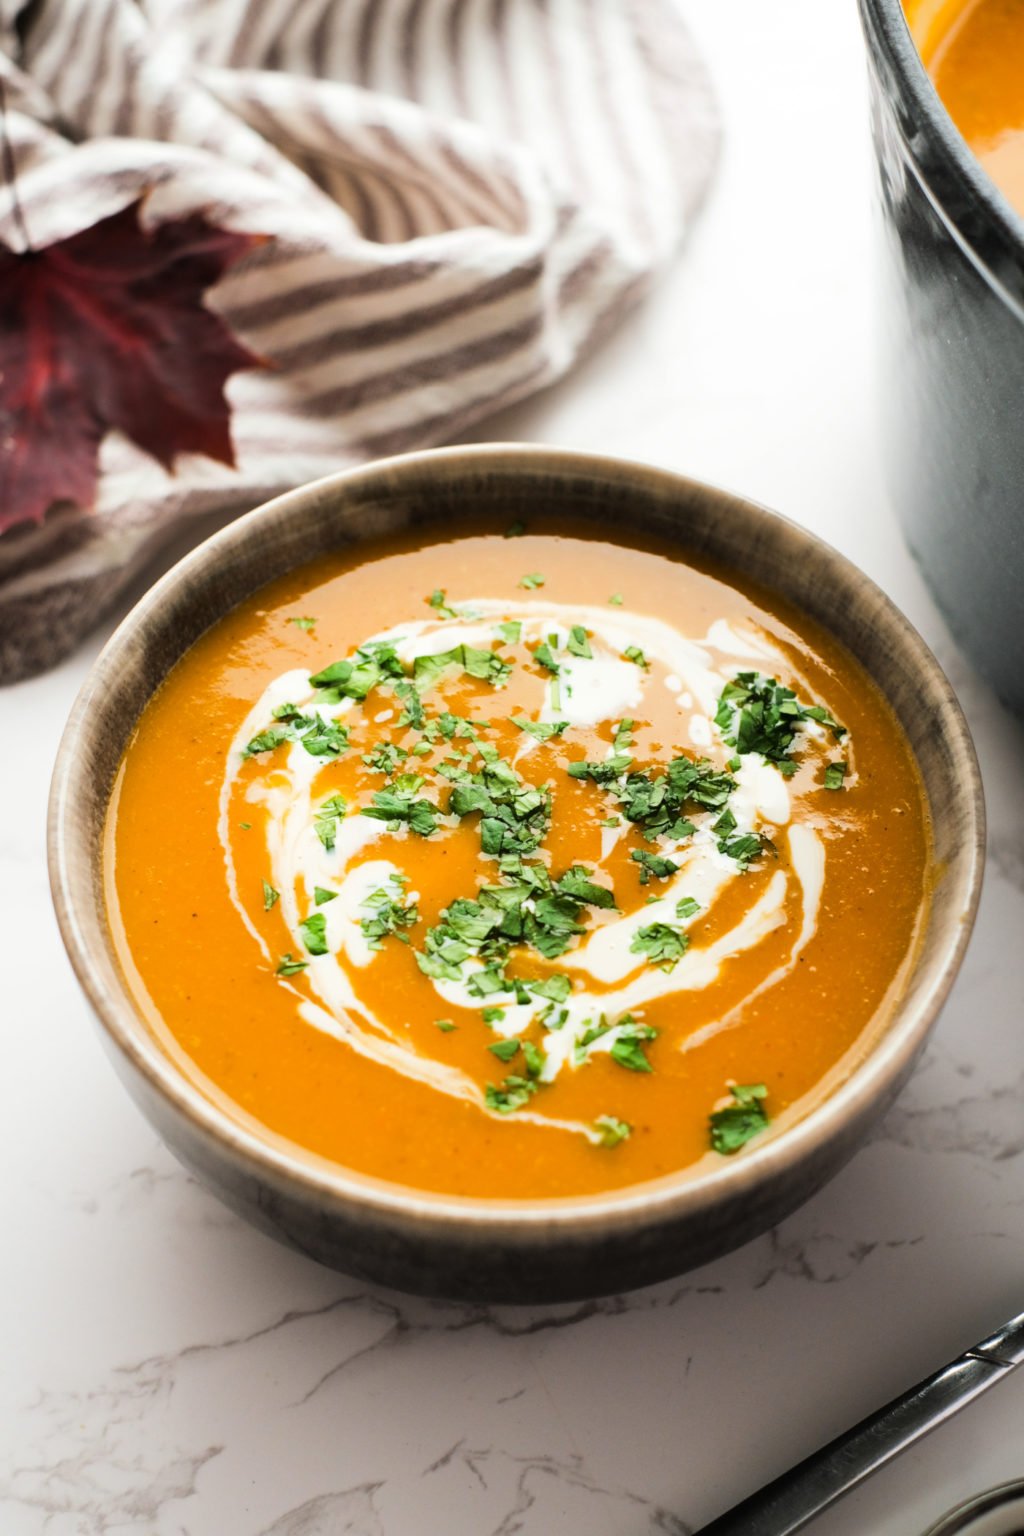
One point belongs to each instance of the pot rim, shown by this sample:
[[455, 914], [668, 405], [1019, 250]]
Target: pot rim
[[948, 155], [285, 1165]]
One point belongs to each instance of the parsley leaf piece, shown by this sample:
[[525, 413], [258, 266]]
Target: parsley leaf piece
[[400, 806], [386, 757], [412, 705], [739, 1122], [534, 1058], [314, 936], [635, 654], [578, 644], [266, 741], [325, 822], [512, 1095], [445, 1026], [531, 581], [743, 849], [511, 631], [555, 988], [627, 1050], [758, 714], [544, 656], [486, 664], [246, 826], [387, 916], [515, 530], [438, 600], [601, 773], [324, 738], [504, 1049], [835, 773], [616, 599], [303, 623], [611, 1130], [540, 730], [270, 896], [289, 967], [321, 897], [663, 945], [687, 907], [653, 864], [576, 882]]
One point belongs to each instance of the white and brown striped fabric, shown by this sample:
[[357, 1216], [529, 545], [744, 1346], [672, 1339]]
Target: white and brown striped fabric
[[460, 196]]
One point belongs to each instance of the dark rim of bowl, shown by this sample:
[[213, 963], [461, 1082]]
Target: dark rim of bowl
[[289, 1166], [978, 214]]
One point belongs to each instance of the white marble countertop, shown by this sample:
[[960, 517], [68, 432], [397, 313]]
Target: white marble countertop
[[166, 1370]]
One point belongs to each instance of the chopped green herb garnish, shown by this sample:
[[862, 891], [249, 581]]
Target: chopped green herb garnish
[[445, 1026], [576, 882], [616, 599], [388, 917], [512, 1095], [486, 664], [541, 730], [534, 1058], [835, 773], [511, 631], [757, 714], [627, 1051], [386, 757], [663, 945], [289, 967], [322, 897], [653, 864], [303, 623], [531, 581], [635, 654], [578, 644], [314, 936], [743, 849], [246, 826], [400, 806], [270, 896], [732, 1127], [611, 1130], [687, 907], [325, 822], [492, 1015], [438, 600], [266, 741], [504, 1049]]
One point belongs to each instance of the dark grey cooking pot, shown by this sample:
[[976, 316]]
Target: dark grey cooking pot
[[952, 376]]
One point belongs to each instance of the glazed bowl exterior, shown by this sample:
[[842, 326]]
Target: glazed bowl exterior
[[951, 375], [504, 1250]]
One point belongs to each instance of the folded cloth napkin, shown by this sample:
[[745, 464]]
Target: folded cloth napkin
[[459, 197]]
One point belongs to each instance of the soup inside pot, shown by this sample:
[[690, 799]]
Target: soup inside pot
[[974, 52]]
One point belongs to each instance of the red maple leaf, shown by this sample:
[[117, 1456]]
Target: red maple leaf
[[107, 329]]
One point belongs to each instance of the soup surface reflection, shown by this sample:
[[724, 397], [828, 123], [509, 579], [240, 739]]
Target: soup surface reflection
[[974, 51]]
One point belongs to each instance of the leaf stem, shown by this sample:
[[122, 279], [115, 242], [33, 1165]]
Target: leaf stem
[[10, 171]]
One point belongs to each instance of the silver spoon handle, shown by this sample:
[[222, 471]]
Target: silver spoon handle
[[788, 1503]]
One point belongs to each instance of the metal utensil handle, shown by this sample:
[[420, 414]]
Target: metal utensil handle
[[788, 1503]]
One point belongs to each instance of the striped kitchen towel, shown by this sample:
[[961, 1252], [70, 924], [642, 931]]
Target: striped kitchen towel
[[460, 196]]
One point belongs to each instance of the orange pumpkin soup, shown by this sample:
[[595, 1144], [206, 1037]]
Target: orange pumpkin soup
[[974, 51], [516, 866]]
